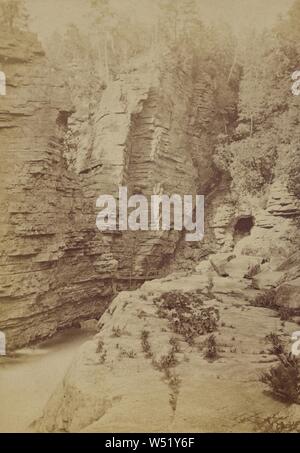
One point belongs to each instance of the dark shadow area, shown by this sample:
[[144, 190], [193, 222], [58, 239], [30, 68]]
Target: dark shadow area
[[243, 227]]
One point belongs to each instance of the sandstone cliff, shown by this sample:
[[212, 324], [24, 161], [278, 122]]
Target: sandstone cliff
[[45, 273], [181, 352], [58, 156]]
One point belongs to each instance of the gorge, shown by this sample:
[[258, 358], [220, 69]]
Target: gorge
[[185, 330]]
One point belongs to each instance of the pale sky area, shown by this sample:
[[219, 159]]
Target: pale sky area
[[50, 15]]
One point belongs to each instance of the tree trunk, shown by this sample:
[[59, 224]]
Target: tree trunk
[[232, 68]]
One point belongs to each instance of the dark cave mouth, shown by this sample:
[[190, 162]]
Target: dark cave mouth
[[243, 226]]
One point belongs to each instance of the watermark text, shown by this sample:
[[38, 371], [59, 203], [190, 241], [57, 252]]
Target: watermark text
[[157, 212], [2, 84]]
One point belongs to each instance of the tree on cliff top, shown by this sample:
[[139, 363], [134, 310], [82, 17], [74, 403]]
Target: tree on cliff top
[[13, 14], [288, 29], [265, 143], [179, 20], [120, 35]]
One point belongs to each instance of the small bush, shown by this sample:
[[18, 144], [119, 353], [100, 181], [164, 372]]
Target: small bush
[[277, 345], [103, 357], [284, 379], [165, 364], [266, 299], [116, 332], [174, 384], [100, 350], [129, 354], [146, 347], [211, 352], [175, 345], [167, 361], [100, 346], [273, 424], [285, 313]]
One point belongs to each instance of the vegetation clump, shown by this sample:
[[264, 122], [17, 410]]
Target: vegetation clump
[[211, 352], [277, 344], [284, 378], [186, 314], [146, 347], [268, 299], [273, 424]]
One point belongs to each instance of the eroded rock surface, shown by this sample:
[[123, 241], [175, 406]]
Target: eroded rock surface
[[145, 371], [58, 155]]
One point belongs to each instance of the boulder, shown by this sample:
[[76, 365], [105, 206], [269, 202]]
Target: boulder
[[236, 266], [243, 266], [268, 279], [287, 295], [219, 262]]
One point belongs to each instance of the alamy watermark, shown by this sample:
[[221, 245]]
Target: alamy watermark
[[2, 344], [2, 84], [157, 212], [296, 84], [296, 344]]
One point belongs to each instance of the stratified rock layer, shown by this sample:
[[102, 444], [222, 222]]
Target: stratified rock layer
[[56, 267], [47, 274]]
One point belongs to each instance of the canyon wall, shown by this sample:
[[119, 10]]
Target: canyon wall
[[56, 267], [146, 129], [47, 274], [163, 105]]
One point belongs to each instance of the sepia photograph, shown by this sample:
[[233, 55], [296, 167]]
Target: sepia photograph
[[150, 214]]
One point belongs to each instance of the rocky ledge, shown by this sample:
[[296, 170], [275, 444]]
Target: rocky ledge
[[181, 354]]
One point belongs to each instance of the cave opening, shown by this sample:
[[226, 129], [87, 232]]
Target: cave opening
[[243, 226]]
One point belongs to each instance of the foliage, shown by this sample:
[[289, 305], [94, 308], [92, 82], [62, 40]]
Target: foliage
[[174, 36], [294, 174], [249, 161], [13, 14], [273, 424], [100, 346], [265, 139], [277, 345], [284, 379], [146, 347], [211, 352], [266, 299], [186, 314], [116, 332]]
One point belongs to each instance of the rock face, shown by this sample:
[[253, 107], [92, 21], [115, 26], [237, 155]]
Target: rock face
[[56, 267], [189, 346], [264, 225], [146, 356], [47, 277]]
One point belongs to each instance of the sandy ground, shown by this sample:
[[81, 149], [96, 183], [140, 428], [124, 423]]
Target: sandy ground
[[29, 378]]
